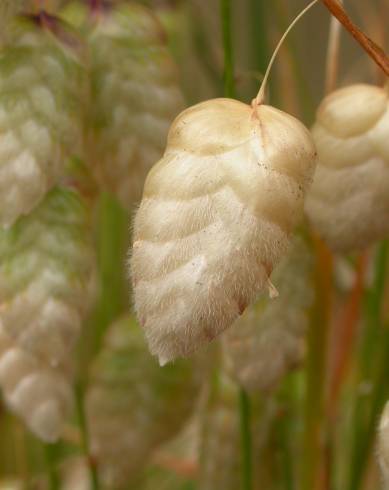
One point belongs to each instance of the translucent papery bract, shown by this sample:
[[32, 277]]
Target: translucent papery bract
[[134, 96], [40, 88], [349, 200], [46, 284], [268, 339], [215, 218], [383, 446], [132, 404]]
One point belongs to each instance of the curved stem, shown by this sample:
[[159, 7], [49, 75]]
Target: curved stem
[[372, 49], [261, 93]]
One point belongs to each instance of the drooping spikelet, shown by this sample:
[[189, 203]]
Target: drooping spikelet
[[39, 91], [133, 405], [349, 199], [215, 218], [268, 339], [46, 285], [134, 95], [383, 446]]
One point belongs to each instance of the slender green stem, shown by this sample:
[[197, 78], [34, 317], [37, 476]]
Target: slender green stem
[[246, 445], [229, 82], [51, 451], [374, 363], [229, 91], [111, 247], [316, 369], [94, 479], [259, 35]]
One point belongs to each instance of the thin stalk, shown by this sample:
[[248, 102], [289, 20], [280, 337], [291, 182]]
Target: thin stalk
[[228, 76], [259, 99], [259, 35], [316, 368], [246, 444], [373, 362], [93, 475], [229, 91], [308, 106], [375, 52], [111, 258], [51, 463]]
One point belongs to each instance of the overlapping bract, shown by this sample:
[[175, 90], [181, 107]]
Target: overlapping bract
[[215, 218], [268, 339], [349, 199], [133, 405], [46, 284], [134, 96], [40, 87]]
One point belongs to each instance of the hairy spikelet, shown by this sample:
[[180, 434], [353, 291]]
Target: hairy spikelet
[[46, 285], [134, 96], [268, 339], [133, 405], [39, 91], [383, 446], [349, 199], [215, 218]]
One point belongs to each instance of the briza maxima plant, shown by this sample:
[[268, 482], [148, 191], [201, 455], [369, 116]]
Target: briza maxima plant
[[267, 341], [349, 200], [216, 217]]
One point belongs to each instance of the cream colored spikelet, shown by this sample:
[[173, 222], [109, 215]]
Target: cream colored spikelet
[[133, 405], [46, 284], [267, 341], [383, 446], [349, 200], [216, 216], [40, 88]]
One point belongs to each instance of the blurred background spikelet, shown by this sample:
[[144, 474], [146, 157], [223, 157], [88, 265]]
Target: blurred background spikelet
[[47, 280], [134, 94], [132, 404], [268, 339], [40, 91]]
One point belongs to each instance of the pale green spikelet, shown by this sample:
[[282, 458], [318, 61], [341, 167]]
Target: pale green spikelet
[[47, 283], [268, 339], [133, 405], [134, 95], [40, 88]]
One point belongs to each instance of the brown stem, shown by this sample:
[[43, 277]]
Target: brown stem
[[371, 48]]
